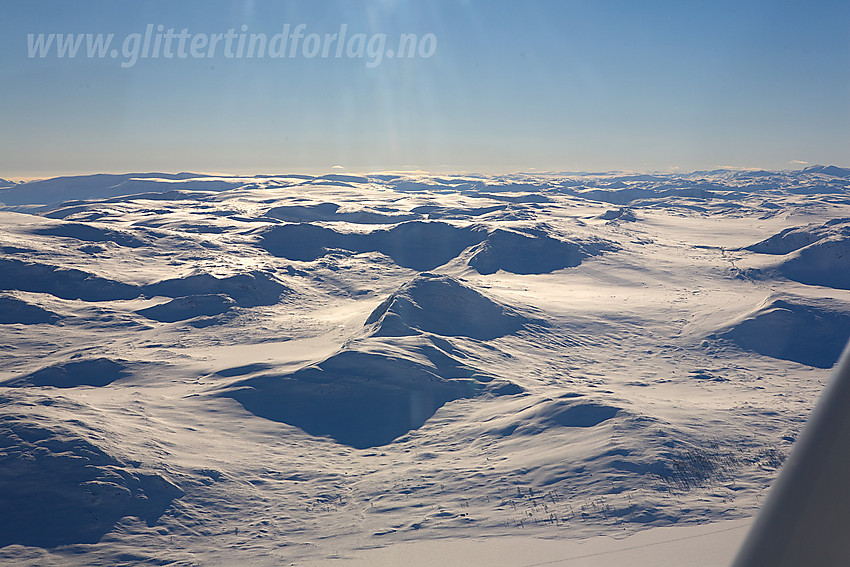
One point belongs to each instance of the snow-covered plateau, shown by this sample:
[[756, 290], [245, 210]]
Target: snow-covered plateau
[[310, 370]]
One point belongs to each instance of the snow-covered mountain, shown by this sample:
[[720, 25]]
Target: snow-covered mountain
[[286, 369], [832, 170]]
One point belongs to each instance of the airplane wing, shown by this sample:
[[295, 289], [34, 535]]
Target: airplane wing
[[805, 520]]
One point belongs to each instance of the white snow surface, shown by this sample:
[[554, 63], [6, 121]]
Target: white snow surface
[[409, 368]]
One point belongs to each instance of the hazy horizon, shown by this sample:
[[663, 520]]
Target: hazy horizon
[[402, 172], [445, 86]]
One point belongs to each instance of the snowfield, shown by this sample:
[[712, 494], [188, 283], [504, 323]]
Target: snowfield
[[409, 368]]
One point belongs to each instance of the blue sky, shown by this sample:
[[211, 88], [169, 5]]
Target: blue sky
[[510, 86]]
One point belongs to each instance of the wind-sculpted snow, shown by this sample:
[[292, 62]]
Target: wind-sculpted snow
[[623, 214], [443, 306], [437, 212], [815, 254], [189, 307], [204, 291], [432, 185], [536, 198], [13, 310], [570, 411], [366, 398], [331, 212], [805, 331], [359, 398], [582, 414], [627, 195], [417, 245], [787, 241], [795, 238], [825, 262], [67, 283], [427, 245], [305, 242], [57, 488], [616, 196], [90, 233], [524, 254], [247, 289], [89, 372], [423, 245]]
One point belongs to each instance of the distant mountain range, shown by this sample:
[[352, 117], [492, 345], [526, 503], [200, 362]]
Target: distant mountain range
[[833, 170]]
